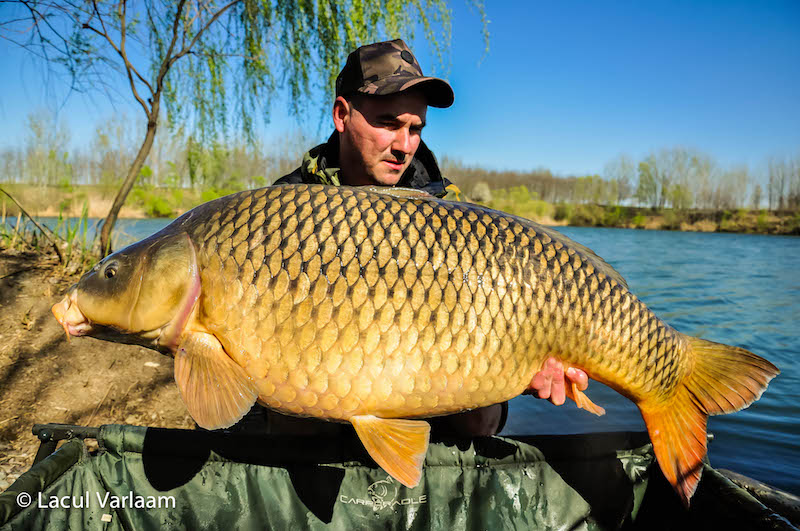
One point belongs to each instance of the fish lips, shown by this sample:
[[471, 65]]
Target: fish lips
[[70, 317]]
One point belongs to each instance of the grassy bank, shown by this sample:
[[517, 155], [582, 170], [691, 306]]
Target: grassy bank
[[741, 220], [70, 201], [520, 202]]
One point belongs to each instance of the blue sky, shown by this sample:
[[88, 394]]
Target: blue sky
[[566, 85]]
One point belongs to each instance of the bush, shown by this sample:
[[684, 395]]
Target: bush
[[152, 201], [614, 217], [157, 207], [639, 221], [672, 220], [564, 211], [761, 220], [212, 193], [587, 216]]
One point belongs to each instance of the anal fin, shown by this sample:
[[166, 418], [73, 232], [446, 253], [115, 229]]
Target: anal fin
[[216, 390], [397, 445], [583, 401]]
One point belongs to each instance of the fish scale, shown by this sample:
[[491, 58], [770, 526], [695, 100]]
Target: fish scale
[[385, 282], [373, 306]]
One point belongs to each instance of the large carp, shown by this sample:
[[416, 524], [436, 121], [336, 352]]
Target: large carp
[[379, 306]]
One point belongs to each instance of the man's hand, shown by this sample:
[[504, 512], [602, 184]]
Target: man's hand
[[549, 383]]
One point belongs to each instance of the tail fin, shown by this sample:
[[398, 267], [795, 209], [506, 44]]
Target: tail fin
[[724, 379]]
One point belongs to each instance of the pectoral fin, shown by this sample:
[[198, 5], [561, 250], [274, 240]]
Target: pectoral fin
[[217, 392], [397, 445], [582, 400]]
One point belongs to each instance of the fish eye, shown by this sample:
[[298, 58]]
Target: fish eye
[[111, 270]]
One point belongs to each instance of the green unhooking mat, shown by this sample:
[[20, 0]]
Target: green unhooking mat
[[151, 478]]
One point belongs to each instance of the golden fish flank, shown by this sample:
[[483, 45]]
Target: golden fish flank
[[368, 305]]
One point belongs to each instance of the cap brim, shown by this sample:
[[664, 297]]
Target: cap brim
[[437, 91]]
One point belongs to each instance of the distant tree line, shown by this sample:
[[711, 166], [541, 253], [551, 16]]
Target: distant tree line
[[680, 178], [176, 160]]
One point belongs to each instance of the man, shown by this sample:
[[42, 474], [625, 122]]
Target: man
[[379, 113]]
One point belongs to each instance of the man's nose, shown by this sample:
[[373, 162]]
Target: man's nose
[[402, 140]]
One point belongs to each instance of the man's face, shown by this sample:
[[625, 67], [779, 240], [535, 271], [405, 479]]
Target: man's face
[[380, 137]]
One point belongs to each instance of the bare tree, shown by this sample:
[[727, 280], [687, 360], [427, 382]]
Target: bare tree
[[793, 184], [46, 149], [776, 188], [621, 171], [756, 197]]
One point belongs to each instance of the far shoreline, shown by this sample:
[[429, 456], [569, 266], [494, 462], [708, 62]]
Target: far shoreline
[[165, 204]]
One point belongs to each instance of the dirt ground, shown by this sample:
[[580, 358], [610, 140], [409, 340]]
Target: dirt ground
[[44, 378]]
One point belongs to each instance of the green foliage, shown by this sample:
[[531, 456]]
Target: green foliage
[[153, 202], [672, 219], [212, 193], [647, 189], [639, 221], [614, 216], [761, 220], [518, 200], [145, 173], [261, 44], [793, 224], [71, 237], [78, 255], [564, 212], [587, 216], [158, 207], [680, 196], [15, 235]]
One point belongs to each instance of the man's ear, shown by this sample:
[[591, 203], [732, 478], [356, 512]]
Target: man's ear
[[341, 113]]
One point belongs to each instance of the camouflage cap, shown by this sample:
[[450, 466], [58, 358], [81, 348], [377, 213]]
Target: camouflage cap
[[388, 68]]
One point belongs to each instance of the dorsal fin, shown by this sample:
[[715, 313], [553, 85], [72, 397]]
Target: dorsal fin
[[399, 193]]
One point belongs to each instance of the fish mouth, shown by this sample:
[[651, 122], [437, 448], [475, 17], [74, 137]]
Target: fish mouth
[[70, 317]]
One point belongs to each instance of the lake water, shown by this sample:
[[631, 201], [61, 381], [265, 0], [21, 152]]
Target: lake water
[[738, 289]]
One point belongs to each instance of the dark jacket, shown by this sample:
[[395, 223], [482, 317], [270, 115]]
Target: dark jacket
[[321, 166]]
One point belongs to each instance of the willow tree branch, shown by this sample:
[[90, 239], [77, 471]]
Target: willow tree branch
[[129, 68], [203, 30], [168, 59]]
